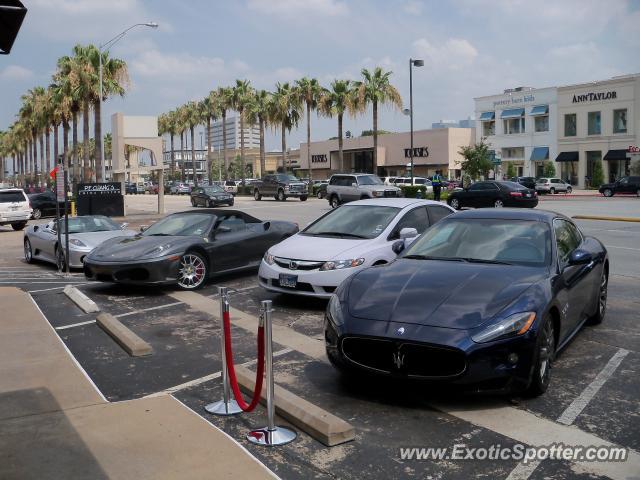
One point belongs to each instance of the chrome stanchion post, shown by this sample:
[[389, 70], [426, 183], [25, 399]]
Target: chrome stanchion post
[[226, 406], [271, 434]]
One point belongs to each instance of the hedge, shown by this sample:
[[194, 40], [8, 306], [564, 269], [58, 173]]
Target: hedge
[[410, 191]]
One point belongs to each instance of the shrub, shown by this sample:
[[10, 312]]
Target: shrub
[[598, 175], [245, 190], [548, 169], [411, 191]]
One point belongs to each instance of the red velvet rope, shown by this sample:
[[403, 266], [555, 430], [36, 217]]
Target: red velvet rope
[[232, 371]]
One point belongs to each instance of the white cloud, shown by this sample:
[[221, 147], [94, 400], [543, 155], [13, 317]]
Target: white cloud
[[413, 7], [300, 8], [452, 54], [15, 72]]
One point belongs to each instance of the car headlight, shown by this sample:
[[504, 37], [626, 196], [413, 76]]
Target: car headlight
[[76, 242], [513, 325], [157, 251], [269, 259], [334, 311], [377, 193], [287, 187], [340, 264]]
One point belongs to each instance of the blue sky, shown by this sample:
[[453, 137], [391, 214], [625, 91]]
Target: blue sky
[[470, 48]]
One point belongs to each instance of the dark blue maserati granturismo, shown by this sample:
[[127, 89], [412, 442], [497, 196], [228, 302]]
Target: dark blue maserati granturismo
[[483, 299]]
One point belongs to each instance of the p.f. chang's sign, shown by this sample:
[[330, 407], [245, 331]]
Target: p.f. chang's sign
[[319, 158], [592, 97], [417, 152]]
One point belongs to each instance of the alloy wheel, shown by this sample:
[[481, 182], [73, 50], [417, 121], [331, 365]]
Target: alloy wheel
[[335, 203], [546, 352], [193, 202], [281, 196], [498, 203], [602, 296], [256, 196], [28, 253], [552, 191], [569, 189], [455, 204], [319, 194], [60, 260], [608, 192], [192, 272], [37, 214]]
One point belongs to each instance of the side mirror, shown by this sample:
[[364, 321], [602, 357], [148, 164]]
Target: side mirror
[[580, 257], [398, 247], [124, 225], [223, 229], [354, 185], [267, 225], [143, 228], [408, 233]]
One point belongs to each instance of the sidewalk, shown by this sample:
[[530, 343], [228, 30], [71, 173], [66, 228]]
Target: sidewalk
[[55, 424]]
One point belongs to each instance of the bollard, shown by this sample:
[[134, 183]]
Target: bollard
[[270, 435], [226, 406]]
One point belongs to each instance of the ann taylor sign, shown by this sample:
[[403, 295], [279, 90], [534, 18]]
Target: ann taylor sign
[[319, 158], [417, 152], [592, 97]]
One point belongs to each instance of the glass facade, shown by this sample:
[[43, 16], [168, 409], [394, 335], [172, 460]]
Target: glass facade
[[594, 126], [488, 128], [541, 123], [592, 158], [620, 121], [570, 125]]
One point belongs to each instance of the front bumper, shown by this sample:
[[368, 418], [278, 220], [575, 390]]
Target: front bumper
[[77, 256], [163, 270], [296, 193]]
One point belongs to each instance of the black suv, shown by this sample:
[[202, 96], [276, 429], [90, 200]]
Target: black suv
[[280, 186], [625, 185], [528, 182]]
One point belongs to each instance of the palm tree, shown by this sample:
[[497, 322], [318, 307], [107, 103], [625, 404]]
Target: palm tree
[[223, 101], [67, 68], [258, 111], [209, 111], [309, 91], [192, 119], [337, 101], [377, 90], [242, 92], [285, 112], [181, 128], [63, 114]]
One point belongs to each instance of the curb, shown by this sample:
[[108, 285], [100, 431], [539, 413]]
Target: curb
[[81, 300], [129, 341], [608, 219]]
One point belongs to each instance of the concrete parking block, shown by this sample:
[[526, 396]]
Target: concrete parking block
[[80, 299], [129, 341], [316, 422]]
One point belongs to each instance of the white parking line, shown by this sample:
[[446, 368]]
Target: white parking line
[[623, 248], [45, 289], [13, 282], [523, 470], [64, 327], [159, 307]]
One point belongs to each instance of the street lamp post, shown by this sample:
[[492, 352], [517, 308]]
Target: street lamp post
[[412, 63], [105, 48]]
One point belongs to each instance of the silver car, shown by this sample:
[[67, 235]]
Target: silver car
[[85, 233], [552, 185], [347, 187]]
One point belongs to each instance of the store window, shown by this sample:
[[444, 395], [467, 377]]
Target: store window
[[570, 125], [541, 123], [514, 125], [593, 123], [488, 128], [593, 157], [620, 121], [513, 153]]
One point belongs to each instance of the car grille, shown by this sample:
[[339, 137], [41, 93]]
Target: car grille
[[296, 188], [410, 359], [390, 193], [292, 264]]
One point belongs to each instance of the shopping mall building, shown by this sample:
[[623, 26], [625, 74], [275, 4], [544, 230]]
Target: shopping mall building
[[433, 150]]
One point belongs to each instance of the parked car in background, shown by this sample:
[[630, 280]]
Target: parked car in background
[[44, 204], [344, 188], [210, 196], [493, 194], [152, 188], [231, 187], [15, 209], [625, 185], [319, 190], [528, 182], [280, 186], [180, 188], [344, 241], [417, 181], [388, 180], [130, 188], [552, 185]]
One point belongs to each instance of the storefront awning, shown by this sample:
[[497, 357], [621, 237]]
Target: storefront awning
[[539, 110], [567, 157], [540, 153], [484, 116], [616, 155], [512, 113], [12, 13]]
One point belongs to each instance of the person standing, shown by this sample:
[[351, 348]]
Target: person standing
[[436, 182]]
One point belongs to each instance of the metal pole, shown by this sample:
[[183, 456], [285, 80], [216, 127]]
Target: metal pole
[[226, 406], [411, 113], [104, 178], [270, 435], [66, 221]]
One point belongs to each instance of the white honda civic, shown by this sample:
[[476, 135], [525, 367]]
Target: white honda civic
[[356, 235]]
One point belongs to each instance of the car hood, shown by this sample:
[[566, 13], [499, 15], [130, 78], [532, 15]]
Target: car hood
[[307, 247], [93, 239], [138, 247], [438, 293]]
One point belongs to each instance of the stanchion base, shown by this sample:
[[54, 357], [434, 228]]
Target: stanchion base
[[270, 438], [220, 408]]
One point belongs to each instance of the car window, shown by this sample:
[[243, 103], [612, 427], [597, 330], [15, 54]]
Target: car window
[[369, 180], [416, 218], [10, 197], [479, 186], [567, 238], [624, 180], [89, 224], [234, 223], [437, 213], [184, 224], [353, 221], [419, 181]]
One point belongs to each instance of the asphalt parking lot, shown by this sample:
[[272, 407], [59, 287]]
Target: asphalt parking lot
[[593, 395]]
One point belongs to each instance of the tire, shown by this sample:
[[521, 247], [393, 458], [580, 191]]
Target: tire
[[543, 359], [303, 198], [210, 204], [18, 226], [498, 203], [231, 203], [193, 271], [28, 252], [607, 192], [601, 308], [193, 202], [319, 195], [281, 197], [454, 203], [256, 195], [36, 214], [552, 191], [60, 260], [569, 190], [335, 201]]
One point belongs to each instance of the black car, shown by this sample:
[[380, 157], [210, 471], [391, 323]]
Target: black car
[[626, 185], [210, 196], [493, 194], [44, 204], [187, 248], [131, 189], [528, 182], [280, 186], [484, 299]]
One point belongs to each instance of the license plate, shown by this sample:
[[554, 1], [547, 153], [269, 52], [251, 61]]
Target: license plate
[[288, 281], [13, 209], [527, 194]]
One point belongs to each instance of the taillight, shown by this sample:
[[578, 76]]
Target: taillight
[[515, 194]]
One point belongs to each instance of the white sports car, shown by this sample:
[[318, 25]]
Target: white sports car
[[85, 233], [356, 235]]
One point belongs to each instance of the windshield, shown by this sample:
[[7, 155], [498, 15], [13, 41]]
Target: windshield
[[520, 242], [90, 224], [369, 180], [353, 221], [288, 178], [181, 225], [212, 189]]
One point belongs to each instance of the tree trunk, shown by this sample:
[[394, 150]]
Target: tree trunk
[[209, 148], [182, 155], [375, 137], [340, 143], [74, 146], [97, 136], [43, 165], [27, 158], [193, 160], [309, 142], [55, 145], [284, 147], [34, 172], [224, 144], [263, 160], [86, 160], [48, 153], [173, 159], [65, 144], [242, 160]]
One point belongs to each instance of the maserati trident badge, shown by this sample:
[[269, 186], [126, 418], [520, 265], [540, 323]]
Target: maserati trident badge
[[400, 331]]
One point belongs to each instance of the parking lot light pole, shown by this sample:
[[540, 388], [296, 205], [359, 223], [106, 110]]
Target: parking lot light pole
[[412, 63], [105, 48]]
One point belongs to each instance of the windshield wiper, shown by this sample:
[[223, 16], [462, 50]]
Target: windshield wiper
[[482, 260], [339, 234], [158, 234], [429, 257]]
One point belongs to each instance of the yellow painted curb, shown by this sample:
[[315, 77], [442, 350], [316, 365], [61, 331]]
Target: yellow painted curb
[[609, 219]]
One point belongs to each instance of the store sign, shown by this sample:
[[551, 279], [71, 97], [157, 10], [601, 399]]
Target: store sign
[[417, 152], [319, 158], [592, 97], [99, 189], [633, 149], [515, 100]]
